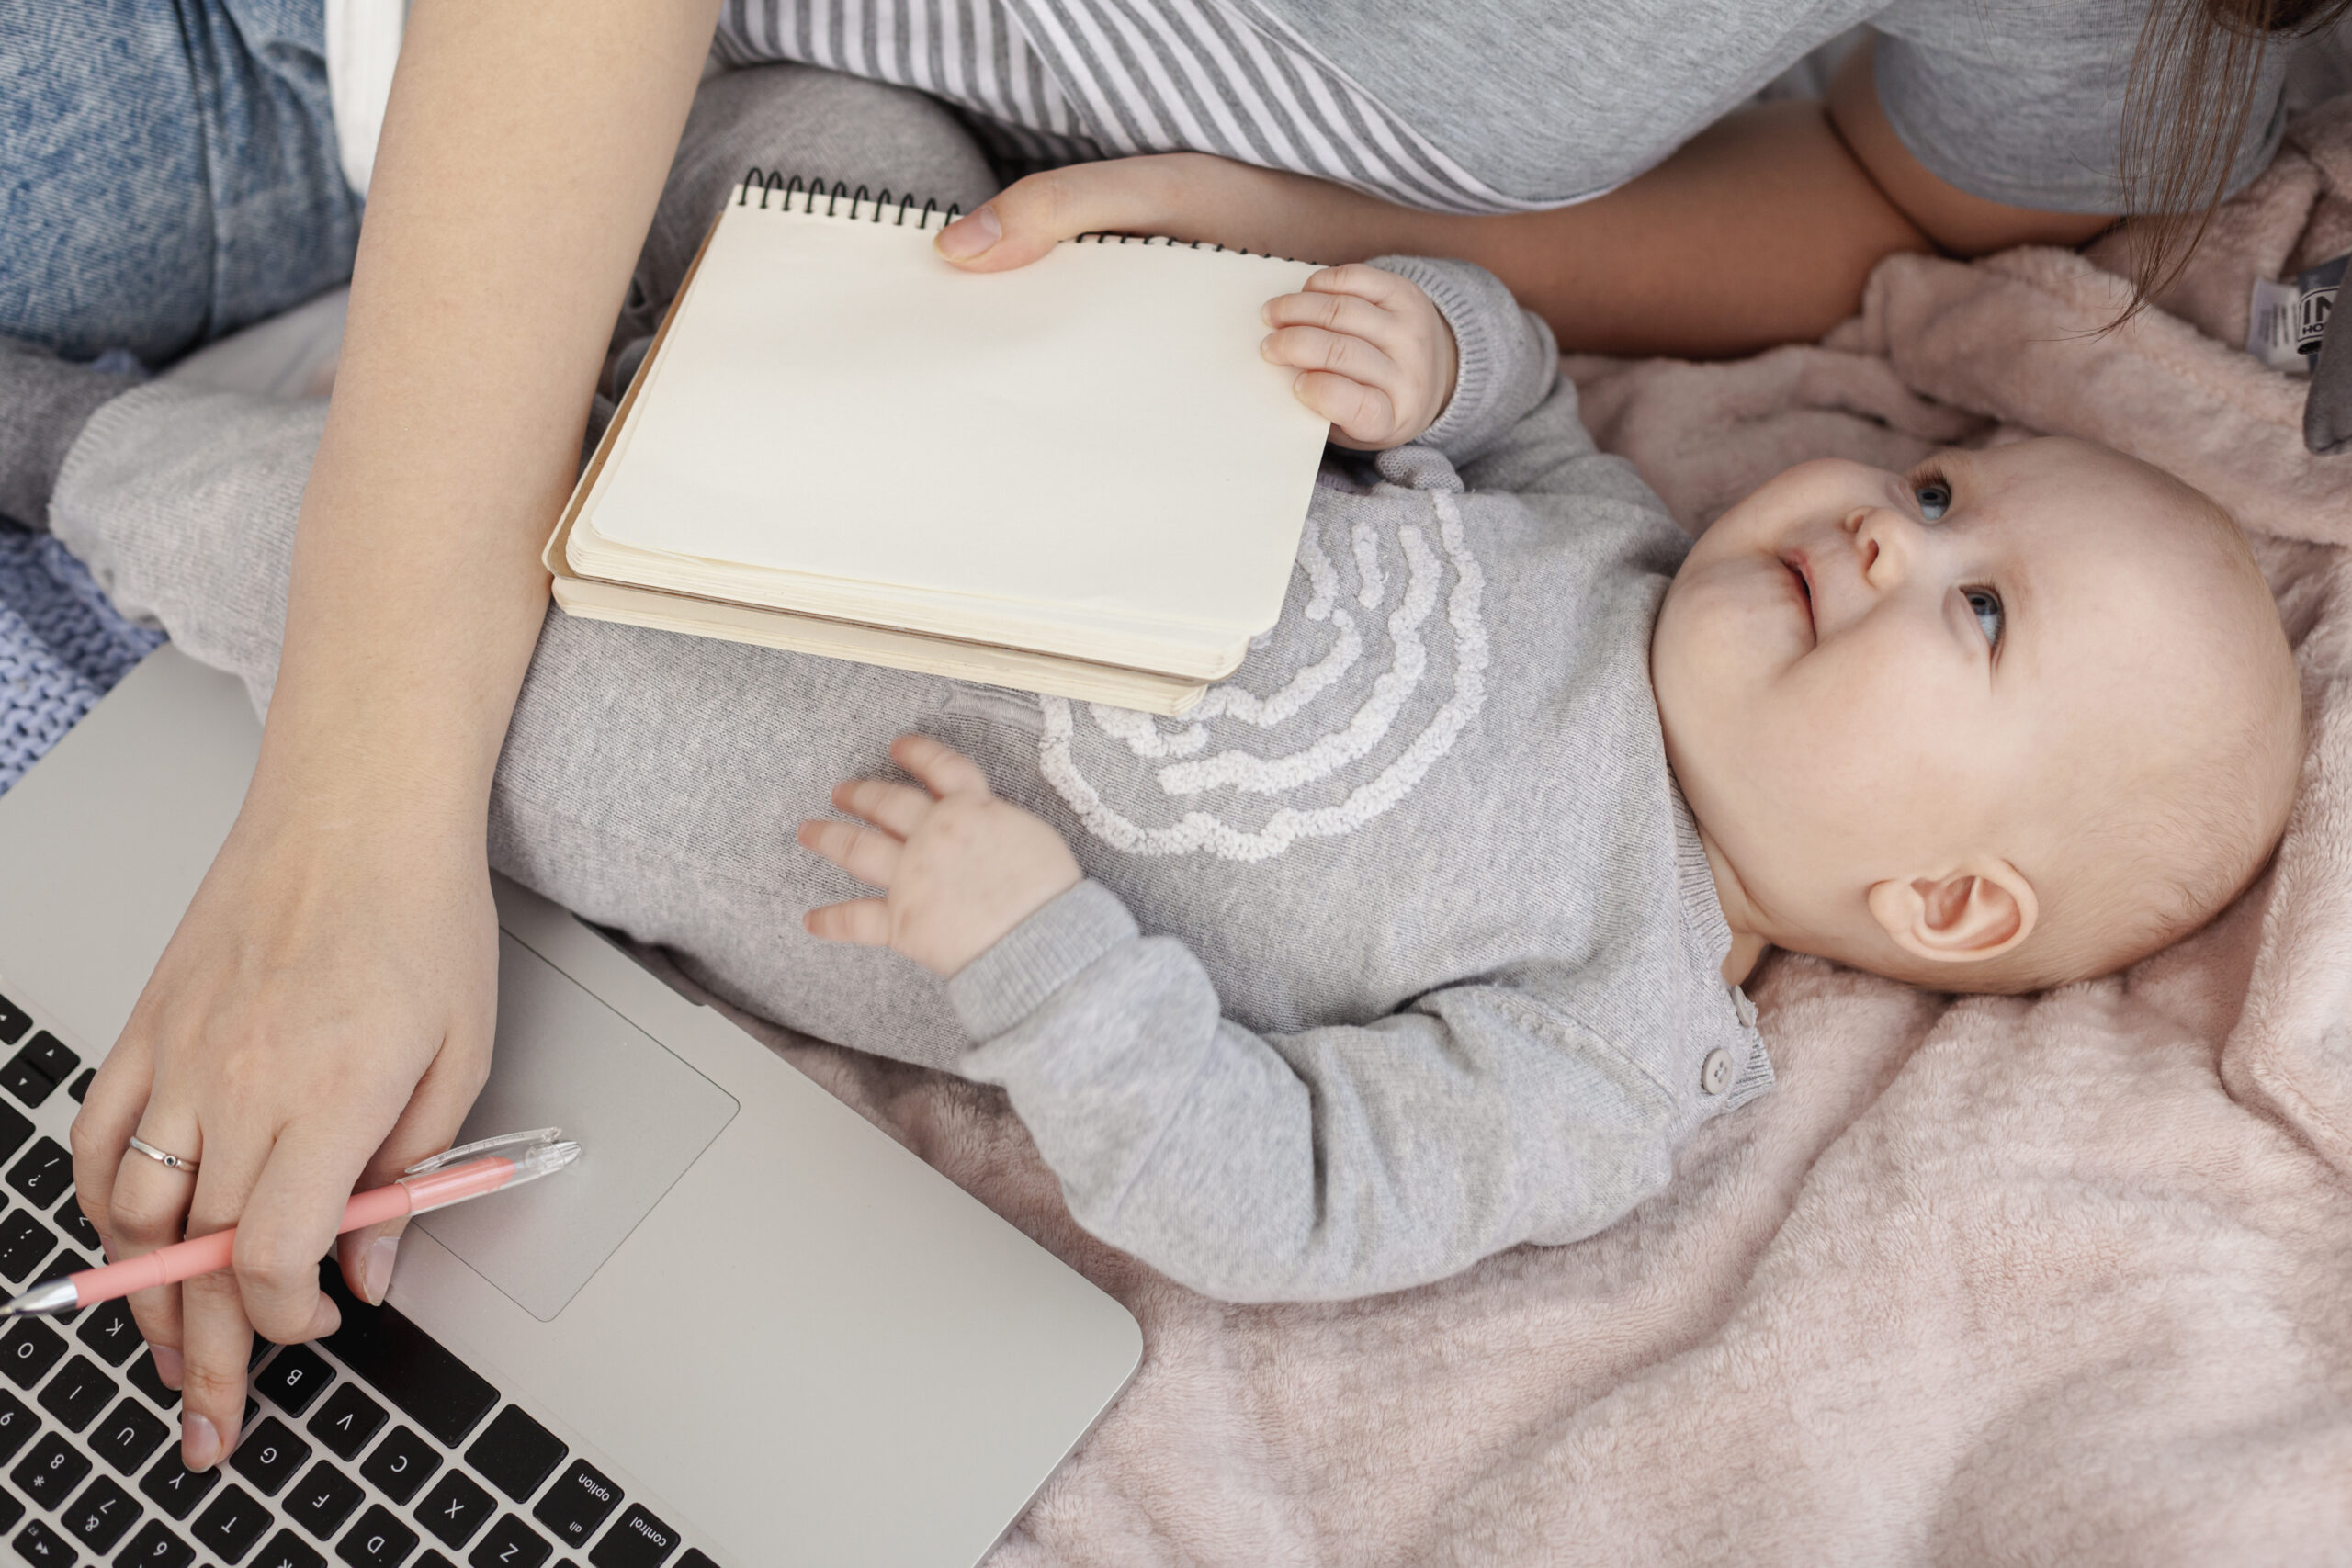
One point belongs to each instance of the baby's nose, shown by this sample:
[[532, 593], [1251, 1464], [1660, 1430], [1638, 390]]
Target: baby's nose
[[1883, 539]]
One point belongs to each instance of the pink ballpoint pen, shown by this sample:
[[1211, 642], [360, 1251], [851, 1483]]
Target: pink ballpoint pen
[[493, 1165]]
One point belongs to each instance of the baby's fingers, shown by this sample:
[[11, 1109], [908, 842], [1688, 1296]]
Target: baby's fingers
[[1362, 416], [1342, 353], [865, 921], [870, 856], [895, 808], [1342, 313], [944, 770]]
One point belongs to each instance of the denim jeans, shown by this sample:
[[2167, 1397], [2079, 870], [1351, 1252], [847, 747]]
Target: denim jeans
[[168, 171]]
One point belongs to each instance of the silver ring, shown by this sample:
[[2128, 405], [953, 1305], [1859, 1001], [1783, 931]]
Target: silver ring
[[164, 1158]]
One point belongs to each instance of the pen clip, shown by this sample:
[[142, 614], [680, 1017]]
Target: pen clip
[[505, 1143]]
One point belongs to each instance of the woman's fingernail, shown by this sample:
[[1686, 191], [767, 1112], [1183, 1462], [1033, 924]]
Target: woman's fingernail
[[970, 235], [199, 1444], [381, 1254], [168, 1365]]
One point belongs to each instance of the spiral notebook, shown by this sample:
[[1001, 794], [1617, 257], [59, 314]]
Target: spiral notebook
[[1077, 478]]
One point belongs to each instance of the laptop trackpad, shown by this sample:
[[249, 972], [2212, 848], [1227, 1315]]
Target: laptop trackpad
[[642, 1116]]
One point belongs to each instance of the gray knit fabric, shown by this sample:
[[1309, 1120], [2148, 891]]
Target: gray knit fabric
[[1400, 951]]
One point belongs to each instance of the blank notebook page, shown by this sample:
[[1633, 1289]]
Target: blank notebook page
[[1095, 431]]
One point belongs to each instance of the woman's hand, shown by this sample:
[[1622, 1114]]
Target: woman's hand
[[321, 1019], [958, 868], [1373, 355]]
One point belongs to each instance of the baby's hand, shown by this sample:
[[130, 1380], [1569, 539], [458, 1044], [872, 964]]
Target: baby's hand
[[958, 868], [1375, 357]]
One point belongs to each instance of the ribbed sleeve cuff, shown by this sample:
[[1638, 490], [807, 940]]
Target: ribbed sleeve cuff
[[1038, 958], [1508, 357]]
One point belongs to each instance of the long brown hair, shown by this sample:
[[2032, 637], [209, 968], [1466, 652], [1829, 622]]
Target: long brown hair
[[2187, 110]]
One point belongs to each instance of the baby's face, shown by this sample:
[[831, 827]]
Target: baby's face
[[1867, 675]]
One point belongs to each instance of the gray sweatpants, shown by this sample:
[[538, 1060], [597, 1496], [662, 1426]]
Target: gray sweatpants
[[651, 782]]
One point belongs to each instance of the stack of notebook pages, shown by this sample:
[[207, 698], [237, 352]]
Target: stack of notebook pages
[[1078, 478]]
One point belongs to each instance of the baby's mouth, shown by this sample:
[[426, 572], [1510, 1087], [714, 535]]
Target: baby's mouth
[[1795, 565]]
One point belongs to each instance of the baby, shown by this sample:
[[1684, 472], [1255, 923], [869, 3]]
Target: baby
[[1421, 937], [1456, 970]]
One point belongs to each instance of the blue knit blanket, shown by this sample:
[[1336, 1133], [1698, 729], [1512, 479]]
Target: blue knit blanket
[[63, 647]]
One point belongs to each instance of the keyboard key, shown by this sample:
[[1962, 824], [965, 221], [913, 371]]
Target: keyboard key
[[401, 1463], [15, 1128], [128, 1436], [38, 1545], [25, 1244], [380, 1540], [322, 1500], [175, 1488], [142, 1378], [576, 1504], [347, 1421], [51, 1056], [76, 1223], [515, 1453], [26, 1081], [17, 1425], [155, 1547], [11, 1510], [298, 1376], [639, 1540], [511, 1543], [286, 1549], [433, 1559], [49, 1474], [29, 1349], [695, 1559], [455, 1509], [80, 1087], [13, 1022], [101, 1515], [231, 1526], [110, 1331], [44, 1174], [408, 1366], [269, 1455], [76, 1395]]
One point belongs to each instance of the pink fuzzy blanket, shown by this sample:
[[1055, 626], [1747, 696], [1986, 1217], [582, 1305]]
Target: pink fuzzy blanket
[[2059, 1279]]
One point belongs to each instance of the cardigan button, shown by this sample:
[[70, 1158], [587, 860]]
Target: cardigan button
[[1714, 1073]]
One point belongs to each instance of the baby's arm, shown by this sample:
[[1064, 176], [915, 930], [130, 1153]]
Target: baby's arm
[[1321, 1164]]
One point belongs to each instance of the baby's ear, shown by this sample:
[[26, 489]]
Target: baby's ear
[[1974, 911]]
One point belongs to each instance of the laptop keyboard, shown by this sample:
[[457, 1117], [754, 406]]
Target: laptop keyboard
[[376, 1448]]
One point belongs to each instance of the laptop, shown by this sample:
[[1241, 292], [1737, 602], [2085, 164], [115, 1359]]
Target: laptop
[[747, 1328]]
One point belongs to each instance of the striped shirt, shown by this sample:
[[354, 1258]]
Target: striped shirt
[[1051, 82]]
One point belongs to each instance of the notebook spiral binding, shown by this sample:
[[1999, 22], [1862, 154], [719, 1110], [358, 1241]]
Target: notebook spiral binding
[[774, 183]]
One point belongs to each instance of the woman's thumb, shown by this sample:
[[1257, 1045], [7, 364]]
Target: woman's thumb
[[427, 1126], [1028, 218]]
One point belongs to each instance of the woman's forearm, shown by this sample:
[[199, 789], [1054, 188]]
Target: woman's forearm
[[522, 156], [1759, 230]]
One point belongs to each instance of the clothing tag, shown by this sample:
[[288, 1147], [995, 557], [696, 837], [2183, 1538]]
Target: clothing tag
[[2288, 318]]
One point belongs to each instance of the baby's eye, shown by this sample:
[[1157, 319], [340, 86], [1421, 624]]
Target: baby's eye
[[1934, 497], [1986, 606]]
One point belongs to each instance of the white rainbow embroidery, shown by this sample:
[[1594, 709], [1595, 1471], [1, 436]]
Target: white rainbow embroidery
[[1187, 773]]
